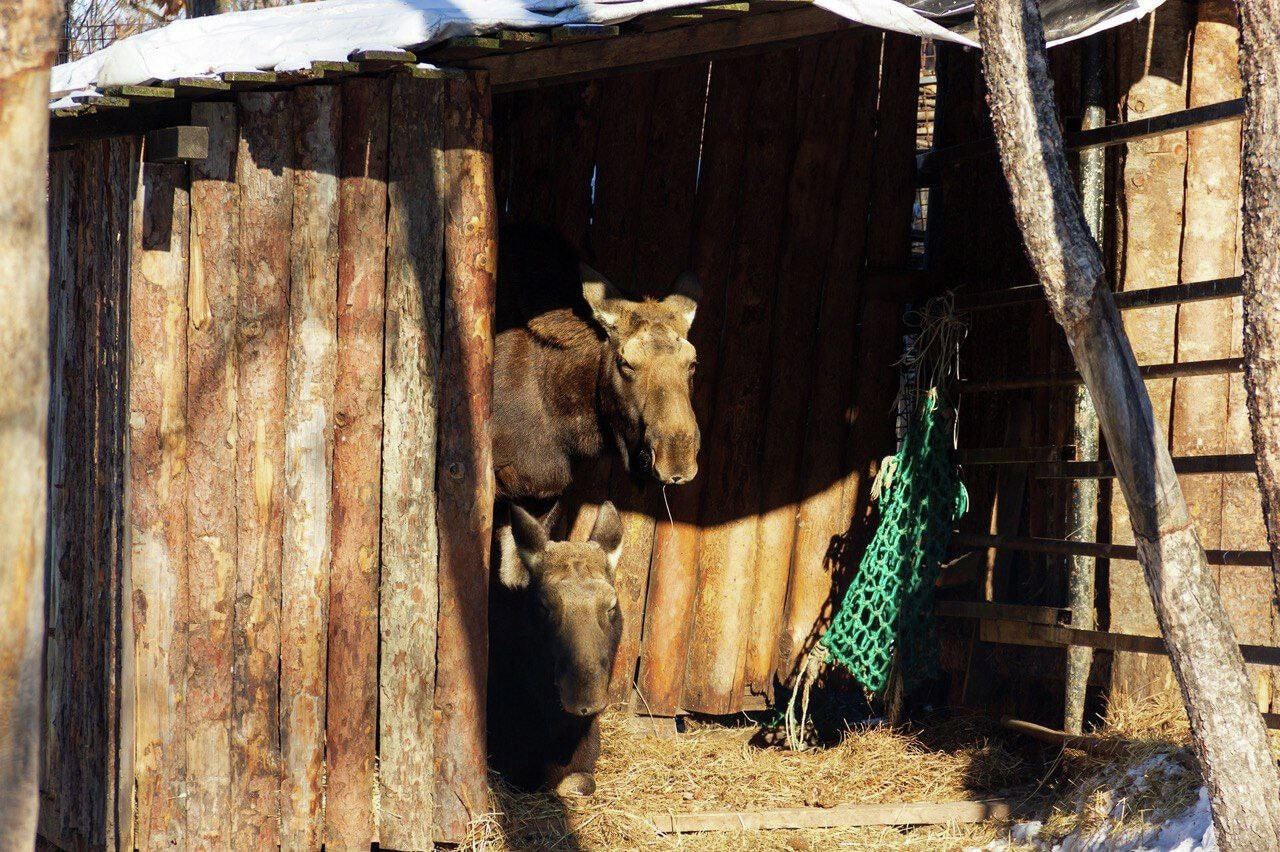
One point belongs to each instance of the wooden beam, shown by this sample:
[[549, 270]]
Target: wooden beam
[[1008, 612], [181, 144], [840, 816], [1187, 465], [1211, 367], [566, 62], [1179, 121], [1174, 294], [1014, 455], [1024, 633], [1100, 550]]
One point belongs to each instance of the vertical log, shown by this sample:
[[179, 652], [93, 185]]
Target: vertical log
[[819, 518], [1153, 81], [1210, 247], [308, 472], [357, 456], [64, 211], [211, 463], [409, 599], [673, 575], [114, 598], [824, 121], [734, 437], [157, 483], [24, 397], [464, 485], [264, 177], [1227, 732], [1259, 64], [648, 244]]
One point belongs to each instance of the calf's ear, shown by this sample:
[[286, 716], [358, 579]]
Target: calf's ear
[[529, 540], [607, 533], [684, 297]]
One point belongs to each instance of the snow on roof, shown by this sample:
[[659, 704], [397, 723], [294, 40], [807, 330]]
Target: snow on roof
[[288, 38]]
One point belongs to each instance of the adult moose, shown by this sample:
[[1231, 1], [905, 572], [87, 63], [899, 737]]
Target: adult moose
[[580, 371]]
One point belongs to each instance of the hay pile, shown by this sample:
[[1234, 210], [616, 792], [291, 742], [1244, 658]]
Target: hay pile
[[717, 768]]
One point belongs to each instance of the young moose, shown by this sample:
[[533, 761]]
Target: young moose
[[555, 628]]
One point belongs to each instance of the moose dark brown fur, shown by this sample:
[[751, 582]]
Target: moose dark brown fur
[[554, 635]]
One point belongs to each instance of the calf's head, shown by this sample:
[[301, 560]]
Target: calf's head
[[570, 585], [648, 373]]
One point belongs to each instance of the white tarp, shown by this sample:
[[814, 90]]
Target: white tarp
[[286, 38]]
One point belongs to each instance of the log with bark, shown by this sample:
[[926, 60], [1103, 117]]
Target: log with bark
[[1259, 67], [30, 28], [1228, 733]]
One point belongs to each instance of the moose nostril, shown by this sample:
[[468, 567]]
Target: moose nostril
[[677, 479]]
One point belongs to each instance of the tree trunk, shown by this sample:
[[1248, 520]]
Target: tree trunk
[[1259, 67], [200, 8], [1227, 730], [28, 42]]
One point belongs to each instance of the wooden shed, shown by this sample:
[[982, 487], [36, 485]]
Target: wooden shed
[[271, 494]]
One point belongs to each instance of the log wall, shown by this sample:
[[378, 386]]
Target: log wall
[[1172, 205], [245, 515], [733, 168]]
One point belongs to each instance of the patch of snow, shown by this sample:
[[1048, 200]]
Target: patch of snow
[[1188, 831]]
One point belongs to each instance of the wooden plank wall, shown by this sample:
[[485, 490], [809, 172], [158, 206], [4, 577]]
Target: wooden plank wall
[[281, 483], [732, 169], [1180, 210], [1173, 203], [85, 719]]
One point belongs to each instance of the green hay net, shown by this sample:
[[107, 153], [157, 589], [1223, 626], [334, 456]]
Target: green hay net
[[889, 606]]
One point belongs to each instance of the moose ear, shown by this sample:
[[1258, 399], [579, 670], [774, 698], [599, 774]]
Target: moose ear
[[529, 539], [601, 297], [607, 533], [684, 297]]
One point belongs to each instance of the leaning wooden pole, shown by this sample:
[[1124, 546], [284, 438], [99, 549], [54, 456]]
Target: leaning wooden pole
[[1227, 731], [1260, 71], [26, 52]]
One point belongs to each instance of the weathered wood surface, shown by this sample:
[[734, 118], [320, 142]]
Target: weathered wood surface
[[1259, 61], [308, 471], [733, 438], [352, 695], [212, 287], [820, 517], [31, 29], [914, 813], [642, 51], [1228, 733], [464, 482], [157, 488], [264, 176], [673, 574], [1153, 78], [408, 599], [64, 210], [823, 127], [646, 178]]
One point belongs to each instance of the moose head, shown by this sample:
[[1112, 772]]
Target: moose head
[[576, 607], [648, 370]]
